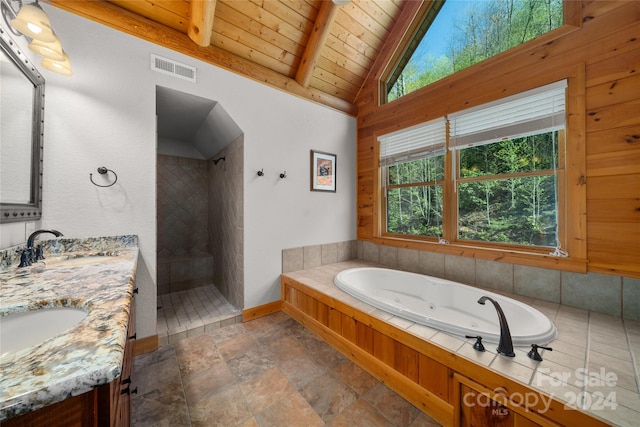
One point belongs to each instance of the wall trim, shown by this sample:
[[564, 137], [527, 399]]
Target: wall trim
[[145, 345], [261, 310]]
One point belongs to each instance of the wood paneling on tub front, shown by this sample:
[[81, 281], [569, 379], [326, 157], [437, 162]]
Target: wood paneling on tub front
[[427, 375], [603, 41]]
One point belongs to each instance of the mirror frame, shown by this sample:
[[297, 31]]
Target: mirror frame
[[13, 212]]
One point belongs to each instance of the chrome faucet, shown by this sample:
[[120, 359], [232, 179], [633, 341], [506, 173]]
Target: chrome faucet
[[505, 346]]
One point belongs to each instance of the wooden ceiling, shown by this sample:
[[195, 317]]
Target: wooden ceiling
[[311, 48]]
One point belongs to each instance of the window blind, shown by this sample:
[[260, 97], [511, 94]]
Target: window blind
[[535, 111], [417, 142]]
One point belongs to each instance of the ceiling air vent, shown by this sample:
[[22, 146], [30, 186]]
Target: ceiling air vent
[[173, 68]]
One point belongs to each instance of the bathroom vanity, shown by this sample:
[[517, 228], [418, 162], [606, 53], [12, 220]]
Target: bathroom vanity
[[82, 376]]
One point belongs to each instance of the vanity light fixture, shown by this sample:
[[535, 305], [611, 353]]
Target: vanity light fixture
[[61, 67], [32, 21], [52, 50]]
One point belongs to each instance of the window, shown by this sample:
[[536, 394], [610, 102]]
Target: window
[[413, 161], [505, 182], [456, 34]]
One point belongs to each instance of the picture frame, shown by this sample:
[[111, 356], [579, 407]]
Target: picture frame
[[323, 171]]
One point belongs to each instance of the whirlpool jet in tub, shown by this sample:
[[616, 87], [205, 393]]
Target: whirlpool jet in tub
[[445, 305]]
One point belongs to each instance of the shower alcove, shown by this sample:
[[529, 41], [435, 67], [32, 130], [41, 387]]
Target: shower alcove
[[199, 216]]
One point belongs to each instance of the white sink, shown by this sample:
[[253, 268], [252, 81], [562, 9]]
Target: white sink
[[28, 328]]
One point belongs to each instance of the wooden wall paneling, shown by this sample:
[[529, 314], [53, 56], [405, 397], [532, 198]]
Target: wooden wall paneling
[[615, 163], [618, 139], [435, 377], [608, 42], [383, 348], [593, 8], [624, 187], [364, 338], [406, 361], [613, 68], [616, 210], [349, 329], [614, 91], [612, 116], [323, 313], [335, 320], [613, 248]]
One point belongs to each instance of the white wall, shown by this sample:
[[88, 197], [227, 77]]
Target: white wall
[[104, 115]]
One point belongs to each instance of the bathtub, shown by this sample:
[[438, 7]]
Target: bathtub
[[445, 305]]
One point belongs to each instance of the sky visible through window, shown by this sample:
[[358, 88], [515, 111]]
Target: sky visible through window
[[465, 32], [441, 30]]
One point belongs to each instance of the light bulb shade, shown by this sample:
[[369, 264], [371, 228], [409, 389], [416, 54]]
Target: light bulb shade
[[33, 22], [341, 2], [61, 67], [51, 50]]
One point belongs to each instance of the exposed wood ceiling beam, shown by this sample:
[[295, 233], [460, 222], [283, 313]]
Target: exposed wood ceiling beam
[[324, 22], [201, 23], [122, 20]]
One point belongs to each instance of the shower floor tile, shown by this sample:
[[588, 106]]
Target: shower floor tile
[[191, 312]]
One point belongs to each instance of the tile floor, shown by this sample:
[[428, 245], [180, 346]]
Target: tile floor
[[187, 313], [267, 372]]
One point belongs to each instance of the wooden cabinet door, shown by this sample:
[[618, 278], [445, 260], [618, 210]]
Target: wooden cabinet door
[[477, 406]]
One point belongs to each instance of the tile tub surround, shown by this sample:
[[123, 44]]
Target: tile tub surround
[[87, 355], [605, 347], [614, 295]]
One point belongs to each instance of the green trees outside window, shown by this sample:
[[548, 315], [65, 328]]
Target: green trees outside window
[[461, 33], [507, 191]]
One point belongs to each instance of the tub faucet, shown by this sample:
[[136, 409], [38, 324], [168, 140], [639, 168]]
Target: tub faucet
[[505, 346]]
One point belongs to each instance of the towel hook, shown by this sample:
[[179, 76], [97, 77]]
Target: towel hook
[[102, 171]]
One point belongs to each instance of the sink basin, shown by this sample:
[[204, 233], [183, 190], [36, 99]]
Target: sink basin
[[28, 328]]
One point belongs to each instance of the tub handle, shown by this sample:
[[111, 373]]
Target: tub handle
[[478, 344], [533, 353]]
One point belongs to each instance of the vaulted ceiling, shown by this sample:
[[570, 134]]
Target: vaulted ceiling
[[315, 49]]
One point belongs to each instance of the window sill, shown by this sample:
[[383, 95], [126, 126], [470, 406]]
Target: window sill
[[533, 259]]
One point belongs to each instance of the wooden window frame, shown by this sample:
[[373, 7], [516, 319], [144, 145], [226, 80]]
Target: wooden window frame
[[572, 217], [571, 17]]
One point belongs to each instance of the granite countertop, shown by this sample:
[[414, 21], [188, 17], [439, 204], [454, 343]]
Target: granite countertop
[[594, 364], [96, 275]]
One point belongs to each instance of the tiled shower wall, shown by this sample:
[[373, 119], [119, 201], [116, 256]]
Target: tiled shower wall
[[614, 295], [226, 237], [184, 260]]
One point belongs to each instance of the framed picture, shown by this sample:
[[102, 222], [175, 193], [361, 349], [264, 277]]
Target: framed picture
[[323, 171]]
